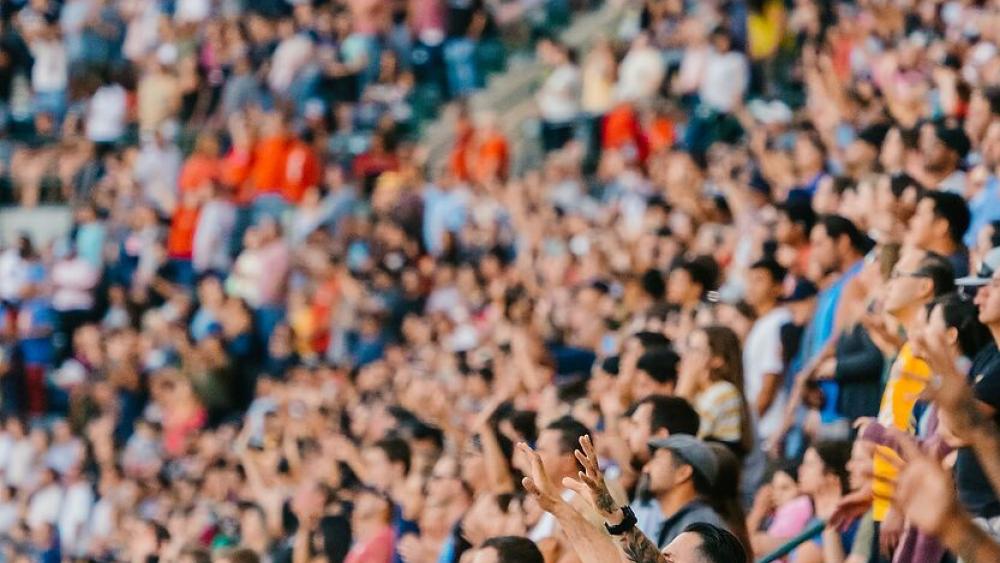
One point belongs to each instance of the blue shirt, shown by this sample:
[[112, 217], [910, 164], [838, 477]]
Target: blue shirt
[[443, 211], [984, 208], [819, 331]]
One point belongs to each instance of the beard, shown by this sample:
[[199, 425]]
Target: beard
[[642, 490]]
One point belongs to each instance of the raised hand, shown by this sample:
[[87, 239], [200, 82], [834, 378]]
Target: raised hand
[[925, 492], [591, 481], [538, 483]]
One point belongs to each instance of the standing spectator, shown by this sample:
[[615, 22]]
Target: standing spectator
[[558, 99]]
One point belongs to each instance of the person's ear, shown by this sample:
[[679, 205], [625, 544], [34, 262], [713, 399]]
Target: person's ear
[[951, 335], [683, 473]]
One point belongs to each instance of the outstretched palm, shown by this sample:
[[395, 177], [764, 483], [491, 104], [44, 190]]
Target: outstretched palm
[[538, 484]]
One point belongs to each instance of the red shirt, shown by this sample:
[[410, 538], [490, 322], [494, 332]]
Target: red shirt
[[378, 549], [268, 170], [180, 239]]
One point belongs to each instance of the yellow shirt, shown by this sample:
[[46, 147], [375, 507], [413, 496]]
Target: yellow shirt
[[907, 379], [765, 30]]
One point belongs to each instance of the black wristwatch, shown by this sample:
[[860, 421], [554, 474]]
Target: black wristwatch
[[628, 522]]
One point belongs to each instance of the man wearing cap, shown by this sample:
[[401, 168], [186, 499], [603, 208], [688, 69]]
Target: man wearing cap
[[680, 474], [944, 146], [974, 490]]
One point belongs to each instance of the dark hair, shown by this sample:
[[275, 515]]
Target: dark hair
[[900, 182], [514, 549], [523, 422], [648, 339], [725, 496], [198, 555], [570, 431], [653, 284], [240, 555], [837, 226], [660, 363], [953, 209], [717, 544], [939, 270], [724, 344], [835, 454], [962, 316], [702, 270], [397, 450], [674, 414], [772, 267]]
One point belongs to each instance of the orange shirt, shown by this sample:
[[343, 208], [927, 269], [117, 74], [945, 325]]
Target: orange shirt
[[621, 129], [198, 170], [661, 134], [302, 171], [235, 171], [180, 239], [268, 169], [492, 155]]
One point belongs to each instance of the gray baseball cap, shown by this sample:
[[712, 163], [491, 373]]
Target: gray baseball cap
[[988, 267], [693, 451]]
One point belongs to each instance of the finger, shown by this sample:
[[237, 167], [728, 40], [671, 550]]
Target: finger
[[584, 460], [530, 486], [589, 481], [908, 446], [576, 486]]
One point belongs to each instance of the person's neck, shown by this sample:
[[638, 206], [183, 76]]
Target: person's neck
[[764, 308], [366, 528], [995, 331], [675, 499], [907, 318]]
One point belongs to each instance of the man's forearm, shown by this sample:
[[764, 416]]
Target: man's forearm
[[591, 544], [768, 392], [640, 549]]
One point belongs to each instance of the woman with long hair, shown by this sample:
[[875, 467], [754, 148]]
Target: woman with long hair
[[711, 378]]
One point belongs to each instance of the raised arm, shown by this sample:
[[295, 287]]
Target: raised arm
[[591, 544]]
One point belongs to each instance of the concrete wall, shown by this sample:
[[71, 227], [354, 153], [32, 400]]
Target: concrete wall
[[42, 223]]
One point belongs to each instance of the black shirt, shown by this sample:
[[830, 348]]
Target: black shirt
[[974, 490]]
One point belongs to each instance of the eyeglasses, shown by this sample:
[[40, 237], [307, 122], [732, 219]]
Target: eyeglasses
[[895, 275]]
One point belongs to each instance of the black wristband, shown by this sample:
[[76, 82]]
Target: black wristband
[[628, 522]]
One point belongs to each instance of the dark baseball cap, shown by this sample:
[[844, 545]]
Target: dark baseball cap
[[801, 290]]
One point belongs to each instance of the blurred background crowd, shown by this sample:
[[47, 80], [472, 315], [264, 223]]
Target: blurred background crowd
[[748, 285]]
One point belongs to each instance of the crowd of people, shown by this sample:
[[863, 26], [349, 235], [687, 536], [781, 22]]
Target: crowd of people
[[746, 308]]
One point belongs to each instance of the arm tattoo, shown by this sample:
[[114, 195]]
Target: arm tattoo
[[640, 549], [604, 502]]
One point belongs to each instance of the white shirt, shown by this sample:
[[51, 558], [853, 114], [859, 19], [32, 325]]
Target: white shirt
[[559, 97], [22, 457], [762, 356], [8, 516], [51, 69], [546, 526], [212, 236], [74, 282], [724, 80], [106, 114], [640, 74], [44, 506], [13, 274], [74, 515]]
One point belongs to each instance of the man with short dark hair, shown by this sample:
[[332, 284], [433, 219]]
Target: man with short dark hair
[[917, 279], [702, 542], [943, 146], [762, 362], [556, 444], [655, 417], [656, 372], [838, 247], [940, 222], [508, 549]]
